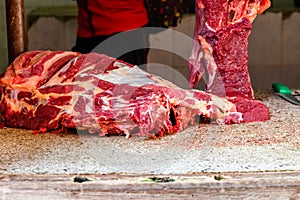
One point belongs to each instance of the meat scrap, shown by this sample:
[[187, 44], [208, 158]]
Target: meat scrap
[[221, 52], [58, 90]]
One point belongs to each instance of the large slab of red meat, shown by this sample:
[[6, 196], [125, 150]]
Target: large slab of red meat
[[56, 90], [221, 52]]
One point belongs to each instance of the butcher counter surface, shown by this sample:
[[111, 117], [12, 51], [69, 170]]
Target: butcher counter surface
[[263, 157], [260, 146]]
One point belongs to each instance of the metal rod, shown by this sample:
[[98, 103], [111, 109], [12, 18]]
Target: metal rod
[[15, 28]]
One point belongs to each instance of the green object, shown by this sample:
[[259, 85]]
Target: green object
[[285, 93], [278, 87]]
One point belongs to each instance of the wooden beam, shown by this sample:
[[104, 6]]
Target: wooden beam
[[15, 28], [260, 185]]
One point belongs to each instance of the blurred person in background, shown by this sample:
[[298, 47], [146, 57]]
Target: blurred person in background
[[99, 20]]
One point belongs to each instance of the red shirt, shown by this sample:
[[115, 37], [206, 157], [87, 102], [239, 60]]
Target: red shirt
[[105, 17]]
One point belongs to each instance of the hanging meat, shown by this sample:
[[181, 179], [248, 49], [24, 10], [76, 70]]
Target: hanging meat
[[221, 52]]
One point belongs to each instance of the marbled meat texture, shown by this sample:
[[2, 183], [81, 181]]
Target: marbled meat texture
[[57, 90], [221, 52]]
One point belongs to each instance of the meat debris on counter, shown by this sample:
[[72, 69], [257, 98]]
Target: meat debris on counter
[[221, 52]]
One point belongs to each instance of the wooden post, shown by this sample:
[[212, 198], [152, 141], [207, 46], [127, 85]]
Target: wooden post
[[15, 28]]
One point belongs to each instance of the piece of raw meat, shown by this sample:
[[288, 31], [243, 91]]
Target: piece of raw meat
[[220, 52], [57, 90]]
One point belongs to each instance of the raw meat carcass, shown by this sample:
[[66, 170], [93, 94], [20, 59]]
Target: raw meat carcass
[[221, 52], [57, 90]]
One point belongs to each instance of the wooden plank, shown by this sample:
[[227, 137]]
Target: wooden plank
[[269, 185]]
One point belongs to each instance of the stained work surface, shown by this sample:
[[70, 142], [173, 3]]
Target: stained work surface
[[267, 146]]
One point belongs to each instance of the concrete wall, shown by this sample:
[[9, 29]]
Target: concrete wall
[[3, 38], [274, 50], [51, 33]]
